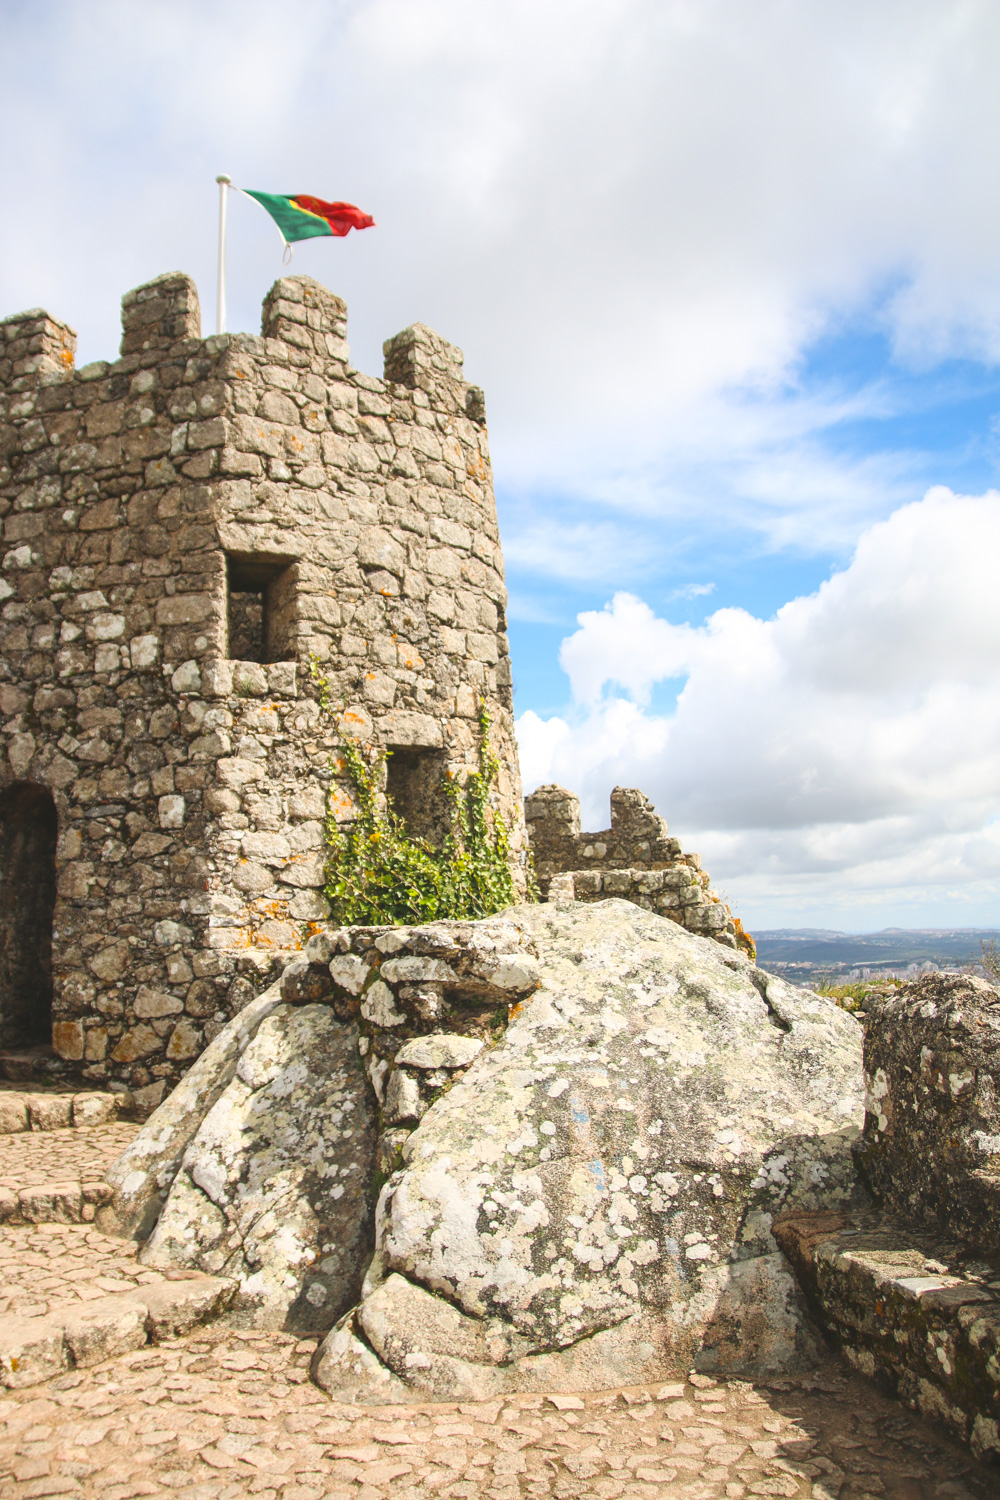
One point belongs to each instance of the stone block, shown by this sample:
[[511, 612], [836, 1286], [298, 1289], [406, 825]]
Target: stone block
[[403, 729], [305, 983], [238, 771], [174, 1307], [281, 679], [217, 679], [349, 972], [31, 1350], [50, 1111], [305, 870], [403, 1104], [67, 1039], [184, 609], [171, 811], [271, 848], [439, 1050], [139, 1041], [104, 1329], [55, 1203], [249, 679], [13, 1113], [95, 1109], [151, 1003]]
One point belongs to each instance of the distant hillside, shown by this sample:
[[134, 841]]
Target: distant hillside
[[813, 955]]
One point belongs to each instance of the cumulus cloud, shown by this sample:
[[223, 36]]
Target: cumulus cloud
[[843, 752], [629, 214]]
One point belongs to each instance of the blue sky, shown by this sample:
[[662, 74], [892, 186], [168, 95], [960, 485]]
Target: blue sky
[[730, 277], [933, 424]]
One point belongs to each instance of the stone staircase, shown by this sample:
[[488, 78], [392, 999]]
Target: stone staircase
[[55, 1147], [69, 1295]]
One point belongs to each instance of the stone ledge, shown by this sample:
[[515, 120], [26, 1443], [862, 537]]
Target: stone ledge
[[919, 1315], [20, 1112], [36, 1349], [70, 1202]]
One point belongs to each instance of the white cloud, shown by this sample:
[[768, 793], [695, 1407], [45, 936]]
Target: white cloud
[[636, 217], [846, 750], [629, 214], [693, 591]]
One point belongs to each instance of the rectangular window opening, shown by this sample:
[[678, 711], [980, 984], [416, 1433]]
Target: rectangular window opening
[[414, 785], [260, 609]]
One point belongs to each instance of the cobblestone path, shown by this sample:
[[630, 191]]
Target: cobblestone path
[[56, 1176], [35, 1158], [43, 1266], [221, 1414]]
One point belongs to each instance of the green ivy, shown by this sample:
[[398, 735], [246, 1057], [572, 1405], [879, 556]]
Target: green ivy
[[376, 874]]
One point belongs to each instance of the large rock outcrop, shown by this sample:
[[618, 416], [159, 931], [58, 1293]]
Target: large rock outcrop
[[142, 1176], [275, 1189], [588, 1120], [260, 1167], [592, 1202]]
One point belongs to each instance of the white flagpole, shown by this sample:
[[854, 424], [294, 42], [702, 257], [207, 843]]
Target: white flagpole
[[220, 315]]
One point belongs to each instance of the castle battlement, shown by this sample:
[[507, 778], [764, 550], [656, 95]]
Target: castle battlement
[[185, 528]]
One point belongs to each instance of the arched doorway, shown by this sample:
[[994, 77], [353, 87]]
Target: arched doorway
[[27, 898]]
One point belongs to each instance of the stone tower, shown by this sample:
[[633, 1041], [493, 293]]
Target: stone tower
[[185, 530]]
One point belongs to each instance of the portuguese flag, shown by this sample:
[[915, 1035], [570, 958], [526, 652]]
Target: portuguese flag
[[299, 216]]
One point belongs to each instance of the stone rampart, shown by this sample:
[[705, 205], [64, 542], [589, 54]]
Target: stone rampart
[[193, 499], [634, 859]]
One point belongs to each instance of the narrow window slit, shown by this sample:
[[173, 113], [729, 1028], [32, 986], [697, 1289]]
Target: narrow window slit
[[414, 786], [261, 608]]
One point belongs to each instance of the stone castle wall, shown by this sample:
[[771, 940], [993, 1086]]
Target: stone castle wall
[[191, 491], [635, 859]]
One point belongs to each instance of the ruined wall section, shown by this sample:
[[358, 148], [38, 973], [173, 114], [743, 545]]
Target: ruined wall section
[[190, 786], [635, 859]]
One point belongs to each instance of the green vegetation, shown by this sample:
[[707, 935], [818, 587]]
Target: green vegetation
[[850, 996], [377, 874], [989, 961]]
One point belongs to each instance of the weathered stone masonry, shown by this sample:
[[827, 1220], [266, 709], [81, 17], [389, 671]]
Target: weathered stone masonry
[[634, 859], [195, 490]]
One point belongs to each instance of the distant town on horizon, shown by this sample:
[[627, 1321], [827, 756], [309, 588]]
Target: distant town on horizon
[[817, 955]]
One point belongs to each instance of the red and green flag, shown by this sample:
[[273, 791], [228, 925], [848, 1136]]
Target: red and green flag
[[300, 216]]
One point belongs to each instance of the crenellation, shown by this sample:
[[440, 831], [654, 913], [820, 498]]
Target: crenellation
[[160, 315], [36, 351], [634, 859], [183, 529]]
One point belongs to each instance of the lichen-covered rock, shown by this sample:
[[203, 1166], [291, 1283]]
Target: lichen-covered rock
[[275, 1187], [593, 1201], [142, 1176], [426, 1000], [931, 1145]]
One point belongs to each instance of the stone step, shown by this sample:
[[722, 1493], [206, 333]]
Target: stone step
[[53, 1203], [43, 1266], [57, 1176], [916, 1312], [75, 1334], [59, 1109]]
